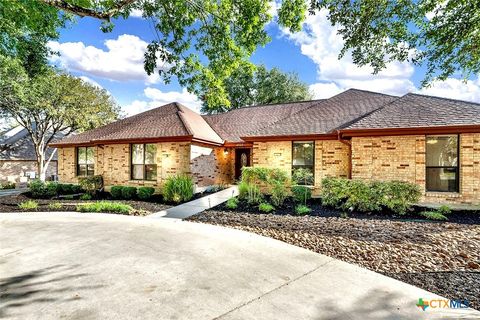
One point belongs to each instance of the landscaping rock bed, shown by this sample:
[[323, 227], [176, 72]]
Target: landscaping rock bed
[[443, 258], [10, 204]]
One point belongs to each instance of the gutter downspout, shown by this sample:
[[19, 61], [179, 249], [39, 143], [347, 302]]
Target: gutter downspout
[[349, 144]]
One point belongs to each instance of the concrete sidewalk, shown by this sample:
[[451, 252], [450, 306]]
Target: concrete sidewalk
[[106, 266], [198, 205]]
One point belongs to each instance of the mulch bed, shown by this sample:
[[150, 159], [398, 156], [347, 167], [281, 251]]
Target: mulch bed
[[443, 258], [10, 204]]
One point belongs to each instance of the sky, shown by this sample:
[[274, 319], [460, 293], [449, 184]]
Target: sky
[[114, 61]]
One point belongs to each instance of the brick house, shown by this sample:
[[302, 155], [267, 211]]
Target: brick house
[[433, 142], [18, 161]]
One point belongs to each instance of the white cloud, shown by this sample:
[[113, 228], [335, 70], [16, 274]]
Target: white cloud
[[455, 89], [324, 90], [158, 98], [136, 13], [122, 61]]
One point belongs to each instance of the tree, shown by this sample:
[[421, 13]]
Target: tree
[[26, 26], [441, 35], [247, 86], [201, 42], [51, 103]]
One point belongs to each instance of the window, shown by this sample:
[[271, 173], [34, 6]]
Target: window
[[442, 163], [143, 162], [85, 161], [303, 154]]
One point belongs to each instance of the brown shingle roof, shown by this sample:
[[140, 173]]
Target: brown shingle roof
[[240, 122], [327, 115], [414, 111], [169, 121]]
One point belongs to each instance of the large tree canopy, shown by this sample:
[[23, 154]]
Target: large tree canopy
[[51, 103], [202, 42], [25, 28], [247, 87]]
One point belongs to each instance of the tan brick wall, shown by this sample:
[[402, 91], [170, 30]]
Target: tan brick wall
[[403, 158], [113, 163], [331, 158], [215, 168]]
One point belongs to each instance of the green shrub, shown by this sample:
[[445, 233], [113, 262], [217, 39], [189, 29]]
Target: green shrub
[[28, 205], [301, 193], [76, 188], [129, 193], [444, 209], [302, 210], [105, 206], [55, 206], [7, 185], [92, 184], [86, 196], [279, 194], [303, 177], [232, 203], [65, 188], [178, 188], [357, 195], [145, 193], [42, 190], [434, 215], [116, 192], [243, 190], [266, 207]]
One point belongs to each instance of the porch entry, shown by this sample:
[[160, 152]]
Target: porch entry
[[242, 159]]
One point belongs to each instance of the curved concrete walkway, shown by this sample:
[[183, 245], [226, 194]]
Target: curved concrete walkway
[[98, 266]]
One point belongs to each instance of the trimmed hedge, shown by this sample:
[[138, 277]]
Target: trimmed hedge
[[116, 192], [92, 184], [357, 195], [145, 193], [129, 193]]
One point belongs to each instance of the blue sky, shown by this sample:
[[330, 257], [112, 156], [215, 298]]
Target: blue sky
[[115, 61]]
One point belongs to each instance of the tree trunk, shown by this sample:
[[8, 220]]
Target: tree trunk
[[41, 167]]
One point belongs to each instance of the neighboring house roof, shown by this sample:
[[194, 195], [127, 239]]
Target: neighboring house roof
[[16, 144], [240, 122], [169, 122], [420, 111], [326, 116]]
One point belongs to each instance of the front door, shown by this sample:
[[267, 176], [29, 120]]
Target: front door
[[242, 159]]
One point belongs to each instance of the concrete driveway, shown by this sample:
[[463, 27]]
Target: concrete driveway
[[98, 266]]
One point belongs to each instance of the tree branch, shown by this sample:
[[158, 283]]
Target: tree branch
[[86, 12]]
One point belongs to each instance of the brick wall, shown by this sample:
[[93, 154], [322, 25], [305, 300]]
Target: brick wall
[[214, 168], [113, 163], [403, 158], [13, 170], [331, 158]]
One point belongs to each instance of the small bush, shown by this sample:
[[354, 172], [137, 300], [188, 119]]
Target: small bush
[[42, 190], [301, 194], [303, 177], [28, 205], [116, 192], [279, 194], [444, 209], [266, 207], [76, 188], [215, 188], [65, 188], [434, 215], [7, 185], [232, 203], [145, 193], [86, 196], [302, 210], [357, 195], [129, 193], [92, 184], [54, 206], [178, 188], [243, 190], [105, 206]]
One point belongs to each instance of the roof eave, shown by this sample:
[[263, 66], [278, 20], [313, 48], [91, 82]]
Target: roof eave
[[409, 131], [123, 141], [324, 136]]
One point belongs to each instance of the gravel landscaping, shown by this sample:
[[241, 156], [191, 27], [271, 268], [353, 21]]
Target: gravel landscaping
[[142, 208], [441, 257]]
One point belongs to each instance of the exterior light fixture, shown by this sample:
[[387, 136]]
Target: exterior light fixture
[[225, 151]]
